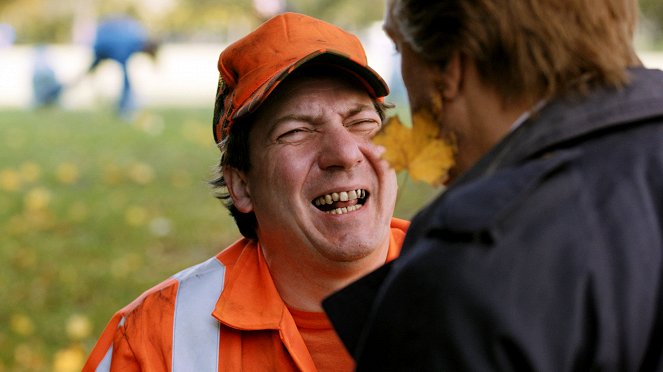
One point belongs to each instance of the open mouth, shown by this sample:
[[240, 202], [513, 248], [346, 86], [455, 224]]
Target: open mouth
[[341, 202]]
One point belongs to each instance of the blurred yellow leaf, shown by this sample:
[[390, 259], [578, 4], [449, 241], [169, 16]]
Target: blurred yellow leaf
[[21, 324], [70, 359], [78, 327], [141, 173], [10, 180], [112, 174], [67, 173], [136, 216], [37, 199], [417, 150], [150, 123], [27, 358]]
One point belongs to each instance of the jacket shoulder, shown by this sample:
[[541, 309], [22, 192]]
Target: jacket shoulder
[[162, 297]]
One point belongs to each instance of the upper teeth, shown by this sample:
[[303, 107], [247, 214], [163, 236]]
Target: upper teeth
[[340, 196]]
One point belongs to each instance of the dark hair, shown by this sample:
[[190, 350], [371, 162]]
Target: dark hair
[[526, 48], [235, 150], [152, 47]]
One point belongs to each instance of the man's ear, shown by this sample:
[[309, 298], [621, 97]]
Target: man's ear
[[452, 77], [238, 188]]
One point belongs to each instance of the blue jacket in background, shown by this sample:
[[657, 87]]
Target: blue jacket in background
[[118, 39]]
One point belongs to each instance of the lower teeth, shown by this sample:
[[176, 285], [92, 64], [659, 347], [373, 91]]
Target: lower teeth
[[344, 209]]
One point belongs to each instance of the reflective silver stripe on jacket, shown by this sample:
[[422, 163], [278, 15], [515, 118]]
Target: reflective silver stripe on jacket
[[195, 331], [105, 363]]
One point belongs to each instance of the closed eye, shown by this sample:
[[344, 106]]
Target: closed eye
[[364, 126], [294, 135]]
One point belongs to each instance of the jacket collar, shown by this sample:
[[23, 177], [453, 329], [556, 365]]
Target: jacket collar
[[250, 300], [573, 117]]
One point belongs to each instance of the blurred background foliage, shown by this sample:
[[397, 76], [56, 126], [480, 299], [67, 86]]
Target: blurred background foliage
[[651, 25], [55, 21]]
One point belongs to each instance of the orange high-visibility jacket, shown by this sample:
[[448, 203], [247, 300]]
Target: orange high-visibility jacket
[[210, 317]]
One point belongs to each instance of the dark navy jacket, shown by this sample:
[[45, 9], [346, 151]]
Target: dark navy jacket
[[546, 256]]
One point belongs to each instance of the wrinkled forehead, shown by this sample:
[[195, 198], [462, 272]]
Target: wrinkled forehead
[[299, 85], [303, 96]]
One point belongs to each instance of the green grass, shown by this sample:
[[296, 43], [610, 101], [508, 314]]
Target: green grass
[[93, 211]]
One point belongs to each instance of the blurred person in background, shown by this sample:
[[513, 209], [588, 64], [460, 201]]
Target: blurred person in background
[[7, 35], [46, 87], [545, 253], [296, 108], [118, 38]]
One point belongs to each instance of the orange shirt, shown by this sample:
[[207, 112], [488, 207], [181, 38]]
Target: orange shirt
[[326, 349], [224, 314]]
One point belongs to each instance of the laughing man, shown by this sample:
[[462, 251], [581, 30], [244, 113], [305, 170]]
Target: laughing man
[[295, 110]]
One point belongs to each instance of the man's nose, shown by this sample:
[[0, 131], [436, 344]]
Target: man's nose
[[340, 149]]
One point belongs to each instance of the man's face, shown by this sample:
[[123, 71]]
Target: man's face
[[316, 190]]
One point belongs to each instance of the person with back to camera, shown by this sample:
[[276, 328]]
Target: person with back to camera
[[545, 252], [296, 108], [118, 38]]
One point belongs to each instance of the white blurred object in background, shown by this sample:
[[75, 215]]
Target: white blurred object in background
[[184, 75]]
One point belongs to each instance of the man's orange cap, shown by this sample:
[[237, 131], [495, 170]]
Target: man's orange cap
[[253, 66]]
